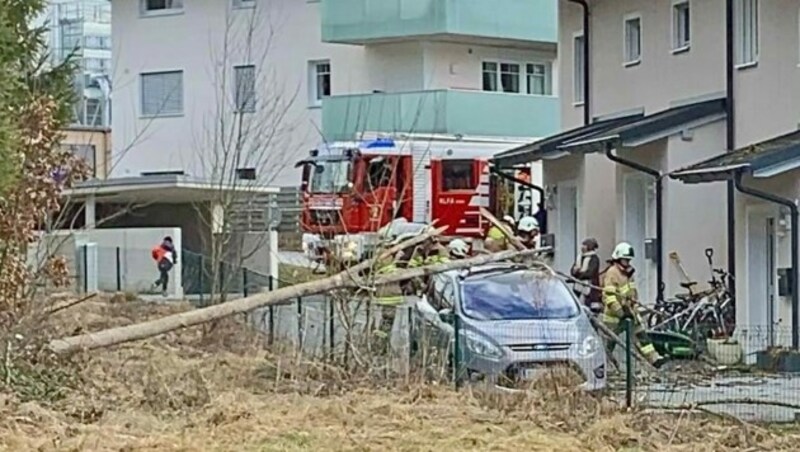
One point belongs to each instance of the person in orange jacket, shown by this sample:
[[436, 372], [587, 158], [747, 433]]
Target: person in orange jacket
[[165, 256]]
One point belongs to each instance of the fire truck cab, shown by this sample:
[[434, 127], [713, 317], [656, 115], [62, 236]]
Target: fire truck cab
[[351, 190]]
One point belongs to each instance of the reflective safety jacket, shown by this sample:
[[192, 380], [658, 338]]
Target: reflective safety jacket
[[498, 237], [619, 292]]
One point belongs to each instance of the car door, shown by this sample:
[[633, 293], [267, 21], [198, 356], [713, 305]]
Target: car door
[[433, 335]]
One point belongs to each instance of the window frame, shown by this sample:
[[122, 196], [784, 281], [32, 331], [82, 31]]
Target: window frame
[[474, 178], [142, 113], [239, 108], [625, 50], [677, 45], [144, 12], [522, 76], [314, 98], [578, 76], [739, 41]]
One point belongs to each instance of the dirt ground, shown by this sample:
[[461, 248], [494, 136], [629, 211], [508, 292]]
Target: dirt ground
[[217, 390]]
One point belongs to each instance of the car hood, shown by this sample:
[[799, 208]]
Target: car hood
[[546, 331]]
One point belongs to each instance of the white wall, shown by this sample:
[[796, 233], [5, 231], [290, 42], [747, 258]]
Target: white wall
[[192, 42]]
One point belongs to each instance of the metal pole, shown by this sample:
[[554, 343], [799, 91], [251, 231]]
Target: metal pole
[[628, 363], [300, 323], [244, 282], [85, 268], [456, 351], [331, 325], [119, 271], [271, 330], [202, 280]]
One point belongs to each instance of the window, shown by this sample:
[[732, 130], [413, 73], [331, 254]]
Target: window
[[489, 76], [319, 81], [537, 77], [152, 7], [458, 175], [246, 173], [579, 82], [86, 152], [379, 172], [681, 29], [746, 31], [162, 93], [633, 40], [245, 88], [244, 3], [509, 77]]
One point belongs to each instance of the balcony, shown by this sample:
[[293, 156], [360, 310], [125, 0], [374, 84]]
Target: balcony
[[372, 21], [451, 112]]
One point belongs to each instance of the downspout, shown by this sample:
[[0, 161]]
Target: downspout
[[659, 214], [587, 110], [795, 244], [730, 138]]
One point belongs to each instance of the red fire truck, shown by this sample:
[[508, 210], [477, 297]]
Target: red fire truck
[[353, 189]]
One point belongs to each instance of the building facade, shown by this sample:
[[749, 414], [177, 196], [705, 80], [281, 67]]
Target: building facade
[[276, 78], [81, 30], [664, 95]]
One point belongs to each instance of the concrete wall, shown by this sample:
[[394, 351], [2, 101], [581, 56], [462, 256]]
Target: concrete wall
[[193, 223], [137, 270]]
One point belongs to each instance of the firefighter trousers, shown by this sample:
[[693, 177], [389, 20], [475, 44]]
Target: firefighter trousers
[[617, 325]]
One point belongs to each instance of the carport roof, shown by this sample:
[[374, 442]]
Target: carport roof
[[162, 188], [650, 127], [765, 159], [549, 147]]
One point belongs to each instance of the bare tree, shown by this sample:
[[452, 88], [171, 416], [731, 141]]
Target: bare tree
[[244, 141]]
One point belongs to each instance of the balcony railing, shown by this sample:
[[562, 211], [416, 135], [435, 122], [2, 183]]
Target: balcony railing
[[365, 21], [469, 113]]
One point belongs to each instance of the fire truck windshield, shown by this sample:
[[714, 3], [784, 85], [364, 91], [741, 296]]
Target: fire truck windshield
[[330, 176]]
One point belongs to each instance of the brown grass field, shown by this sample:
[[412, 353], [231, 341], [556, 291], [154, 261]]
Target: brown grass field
[[216, 389]]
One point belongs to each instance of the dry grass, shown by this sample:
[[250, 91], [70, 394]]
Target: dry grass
[[218, 391]]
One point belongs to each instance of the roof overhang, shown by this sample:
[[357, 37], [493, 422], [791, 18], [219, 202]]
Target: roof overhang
[[163, 189], [761, 160], [650, 128], [549, 148]]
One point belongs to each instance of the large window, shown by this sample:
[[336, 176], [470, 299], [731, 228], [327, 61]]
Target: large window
[[162, 93], [746, 35], [150, 7], [681, 29], [458, 175], [633, 40], [579, 82], [508, 77], [319, 81], [245, 88]]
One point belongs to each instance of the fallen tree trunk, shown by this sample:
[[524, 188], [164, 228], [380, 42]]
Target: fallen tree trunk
[[346, 279]]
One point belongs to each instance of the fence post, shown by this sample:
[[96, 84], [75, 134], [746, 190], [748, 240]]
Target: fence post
[[411, 341], [221, 278], [271, 336], [269, 282], [628, 363], [456, 351], [299, 324], [331, 325], [244, 281], [202, 280], [86, 268], [119, 272]]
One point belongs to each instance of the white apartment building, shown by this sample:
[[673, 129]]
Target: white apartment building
[[81, 29], [191, 75], [664, 95]]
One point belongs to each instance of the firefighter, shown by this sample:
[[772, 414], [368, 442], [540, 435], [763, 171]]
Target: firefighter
[[495, 239], [458, 249], [528, 232], [619, 298]]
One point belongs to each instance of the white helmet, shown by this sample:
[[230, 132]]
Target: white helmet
[[509, 219], [623, 250], [458, 248], [528, 224]]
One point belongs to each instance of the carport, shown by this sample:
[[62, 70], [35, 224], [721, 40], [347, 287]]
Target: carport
[[767, 178]]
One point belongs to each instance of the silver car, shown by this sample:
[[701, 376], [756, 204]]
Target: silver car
[[515, 324]]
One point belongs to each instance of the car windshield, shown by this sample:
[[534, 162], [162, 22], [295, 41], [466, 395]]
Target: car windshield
[[330, 176], [520, 295]]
